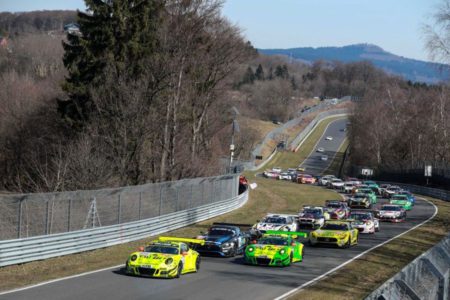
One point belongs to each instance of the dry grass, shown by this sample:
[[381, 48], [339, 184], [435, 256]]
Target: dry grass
[[376, 267]]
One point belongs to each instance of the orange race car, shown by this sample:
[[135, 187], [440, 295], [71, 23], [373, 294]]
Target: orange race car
[[306, 178]]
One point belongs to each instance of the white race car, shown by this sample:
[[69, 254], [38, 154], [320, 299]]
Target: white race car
[[329, 138], [285, 176], [275, 222], [347, 187], [336, 183], [271, 174], [364, 221]]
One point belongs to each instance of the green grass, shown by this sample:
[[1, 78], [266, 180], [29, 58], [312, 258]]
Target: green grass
[[287, 159]]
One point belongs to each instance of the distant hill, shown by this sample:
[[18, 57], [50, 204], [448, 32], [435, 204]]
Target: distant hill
[[410, 69]]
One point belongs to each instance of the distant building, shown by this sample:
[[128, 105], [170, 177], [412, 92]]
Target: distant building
[[72, 28]]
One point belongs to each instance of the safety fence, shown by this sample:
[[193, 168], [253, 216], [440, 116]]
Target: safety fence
[[30, 215], [47, 246], [428, 276]]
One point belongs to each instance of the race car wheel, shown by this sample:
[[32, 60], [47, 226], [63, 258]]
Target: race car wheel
[[180, 270], [233, 252], [348, 244], [197, 264]]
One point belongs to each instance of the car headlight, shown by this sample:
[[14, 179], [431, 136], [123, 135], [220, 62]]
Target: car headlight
[[369, 223], [169, 261], [133, 257], [282, 251], [313, 234], [227, 245]]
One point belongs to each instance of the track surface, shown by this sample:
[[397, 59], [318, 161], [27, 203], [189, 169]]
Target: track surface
[[313, 164], [223, 278]]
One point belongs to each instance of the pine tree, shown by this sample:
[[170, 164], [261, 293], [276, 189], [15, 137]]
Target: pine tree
[[270, 75], [249, 76], [115, 36], [259, 73], [294, 84]]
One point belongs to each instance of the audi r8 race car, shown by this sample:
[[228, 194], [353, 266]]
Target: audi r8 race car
[[392, 213], [311, 217], [364, 221], [338, 233], [401, 200], [359, 200], [166, 257], [223, 240], [275, 248], [337, 209], [275, 222]]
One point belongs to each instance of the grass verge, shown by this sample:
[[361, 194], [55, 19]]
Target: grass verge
[[270, 196], [362, 276]]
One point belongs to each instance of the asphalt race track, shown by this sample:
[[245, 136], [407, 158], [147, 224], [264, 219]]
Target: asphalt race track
[[224, 278], [314, 164]]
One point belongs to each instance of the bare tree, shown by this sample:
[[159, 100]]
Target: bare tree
[[437, 35]]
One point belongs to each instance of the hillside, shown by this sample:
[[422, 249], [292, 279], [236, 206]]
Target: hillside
[[410, 69]]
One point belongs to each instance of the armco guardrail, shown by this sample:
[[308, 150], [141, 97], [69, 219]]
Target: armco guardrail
[[42, 247], [427, 277]]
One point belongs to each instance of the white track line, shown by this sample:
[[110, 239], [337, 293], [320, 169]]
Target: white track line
[[297, 289], [59, 279]]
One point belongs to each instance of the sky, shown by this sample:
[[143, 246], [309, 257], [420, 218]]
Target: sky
[[394, 25]]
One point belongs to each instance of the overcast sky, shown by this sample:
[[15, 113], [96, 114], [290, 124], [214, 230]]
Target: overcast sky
[[394, 25]]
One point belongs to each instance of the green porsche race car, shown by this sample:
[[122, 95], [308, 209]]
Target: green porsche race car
[[402, 200], [275, 248], [370, 194]]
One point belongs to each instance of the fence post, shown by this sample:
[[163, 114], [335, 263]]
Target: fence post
[[119, 209], [140, 204], [46, 218], [69, 213], [19, 226]]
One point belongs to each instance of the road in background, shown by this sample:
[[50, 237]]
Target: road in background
[[314, 164]]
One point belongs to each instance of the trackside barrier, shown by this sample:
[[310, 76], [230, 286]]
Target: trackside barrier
[[428, 276], [42, 247]]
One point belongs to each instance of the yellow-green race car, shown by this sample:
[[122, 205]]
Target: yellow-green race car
[[166, 257], [339, 233], [275, 248]]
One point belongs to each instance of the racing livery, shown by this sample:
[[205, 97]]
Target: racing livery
[[275, 222], [275, 248], [306, 178], [166, 257], [364, 221], [370, 194], [359, 200], [401, 200], [392, 213], [339, 233], [337, 209], [223, 240], [312, 217]]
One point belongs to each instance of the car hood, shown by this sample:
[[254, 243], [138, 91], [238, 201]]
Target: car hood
[[270, 226], [218, 239], [329, 233], [267, 250], [155, 259]]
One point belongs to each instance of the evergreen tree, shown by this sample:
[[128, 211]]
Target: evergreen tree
[[259, 73], [270, 75], [115, 36], [294, 84], [282, 72], [249, 76]]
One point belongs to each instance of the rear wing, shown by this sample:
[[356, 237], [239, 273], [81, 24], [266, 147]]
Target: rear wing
[[243, 227], [293, 233], [183, 240]]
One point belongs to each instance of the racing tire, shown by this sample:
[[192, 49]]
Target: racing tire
[[197, 264], [179, 270], [348, 244], [233, 252]]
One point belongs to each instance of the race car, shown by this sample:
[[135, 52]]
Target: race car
[[275, 222], [401, 200], [337, 209], [364, 221], [353, 180], [348, 187], [335, 183], [284, 176], [312, 217], [306, 178], [339, 233], [370, 194], [357, 187], [271, 174], [391, 190], [373, 186], [324, 179], [411, 197], [359, 200], [392, 213], [275, 248], [223, 239], [166, 257]]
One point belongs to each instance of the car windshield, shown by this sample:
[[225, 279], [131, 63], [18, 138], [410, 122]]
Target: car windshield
[[275, 220], [391, 208], [161, 249], [399, 197], [334, 205], [359, 216], [360, 196], [220, 231], [334, 226], [315, 212], [273, 241]]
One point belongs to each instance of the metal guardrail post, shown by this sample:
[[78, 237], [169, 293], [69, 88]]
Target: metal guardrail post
[[140, 205], [119, 209], [69, 214], [160, 199], [46, 217], [19, 225]]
